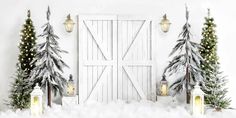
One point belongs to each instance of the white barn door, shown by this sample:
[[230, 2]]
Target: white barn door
[[136, 75], [97, 57], [115, 59]]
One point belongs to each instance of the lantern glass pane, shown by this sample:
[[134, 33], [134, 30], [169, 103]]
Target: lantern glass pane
[[165, 27], [69, 27], [164, 88], [198, 104], [70, 89], [35, 100]]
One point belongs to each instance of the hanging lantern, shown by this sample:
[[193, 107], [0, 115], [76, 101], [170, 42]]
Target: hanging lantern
[[36, 101], [165, 24], [164, 86], [71, 87], [69, 24], [197, 100]]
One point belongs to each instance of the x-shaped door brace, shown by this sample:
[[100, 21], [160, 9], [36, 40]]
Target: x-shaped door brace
[[142, 27], [136, 85], [98, 82], [97, 39]]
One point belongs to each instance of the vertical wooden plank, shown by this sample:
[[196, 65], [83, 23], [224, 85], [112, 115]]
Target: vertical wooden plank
[[80, 64], [134, 53], [109, 77], [93, 68], [90, 57], [98, 69], [104, 32], [152, 48], [119, 63], [90, 48], [99, 30], [88, 53], [125, 79], [145, 37], [114, 48], [149, 90], [129, 57]]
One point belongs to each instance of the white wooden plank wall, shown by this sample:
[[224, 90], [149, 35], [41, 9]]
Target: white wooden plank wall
[[115, 59]]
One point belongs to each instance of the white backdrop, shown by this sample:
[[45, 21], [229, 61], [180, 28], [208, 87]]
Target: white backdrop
[[13, 14]]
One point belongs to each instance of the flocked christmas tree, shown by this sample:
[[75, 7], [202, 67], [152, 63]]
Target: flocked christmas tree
[[20, 92], [49, 63], [186, 63], [214, 82]]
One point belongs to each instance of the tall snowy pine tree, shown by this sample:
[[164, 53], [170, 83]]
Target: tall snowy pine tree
[[214, 83], [186, 64], [20, 92], [49, 63]]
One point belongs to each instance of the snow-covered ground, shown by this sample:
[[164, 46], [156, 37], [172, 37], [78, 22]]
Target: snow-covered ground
[[143, 109]]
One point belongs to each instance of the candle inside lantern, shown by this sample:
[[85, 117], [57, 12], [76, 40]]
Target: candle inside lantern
[[164, 86], [198, 103], [164, 90], [70, 87]]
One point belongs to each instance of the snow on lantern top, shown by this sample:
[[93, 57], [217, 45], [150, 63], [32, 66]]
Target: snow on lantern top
[[37, 91]]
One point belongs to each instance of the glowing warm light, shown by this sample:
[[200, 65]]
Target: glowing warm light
[[36, 100], [165, 24], [198, 105], [69, 24], [164, 90], [70, 90]]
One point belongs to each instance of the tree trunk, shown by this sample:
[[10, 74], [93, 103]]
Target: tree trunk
[[188, 94], [49, 94]]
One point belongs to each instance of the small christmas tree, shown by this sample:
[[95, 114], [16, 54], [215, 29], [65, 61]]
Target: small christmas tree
[[185, 65], [27, 46], [49, 64], [21, 88], [214, 82]]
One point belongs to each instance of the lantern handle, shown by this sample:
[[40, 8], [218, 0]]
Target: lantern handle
[[163, 77], [68, 16], [164, 17]]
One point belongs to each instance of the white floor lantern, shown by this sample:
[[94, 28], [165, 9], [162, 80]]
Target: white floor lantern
[[36, 101], [197, 100]]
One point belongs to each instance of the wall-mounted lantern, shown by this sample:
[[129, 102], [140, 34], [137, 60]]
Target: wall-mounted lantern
[[197, 100], [69, 24], [36, 101], [165, 24]]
